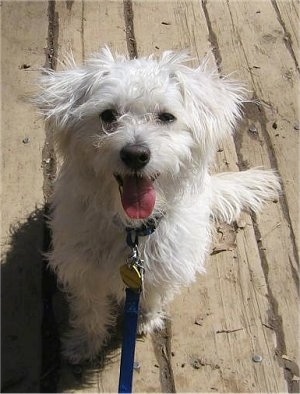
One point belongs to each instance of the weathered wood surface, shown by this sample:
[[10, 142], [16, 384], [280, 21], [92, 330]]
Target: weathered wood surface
[[247, 303], [23, 37]]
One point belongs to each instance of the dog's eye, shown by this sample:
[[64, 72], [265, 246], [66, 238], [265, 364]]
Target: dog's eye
[[108, 116], [166, 117]]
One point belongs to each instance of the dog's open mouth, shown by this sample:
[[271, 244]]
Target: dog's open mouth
[[138, 195]]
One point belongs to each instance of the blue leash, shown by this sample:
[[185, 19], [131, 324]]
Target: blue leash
[[132, 274], [128, 343]]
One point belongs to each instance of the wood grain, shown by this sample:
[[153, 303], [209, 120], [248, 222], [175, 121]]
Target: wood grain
[[247, 303]]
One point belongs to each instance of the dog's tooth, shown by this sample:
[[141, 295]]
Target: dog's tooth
[[154, 177]]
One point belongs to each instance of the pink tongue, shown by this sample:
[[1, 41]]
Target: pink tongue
[[138, 197]]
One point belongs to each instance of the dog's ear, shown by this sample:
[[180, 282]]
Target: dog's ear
[[62, 93], [213, 104]]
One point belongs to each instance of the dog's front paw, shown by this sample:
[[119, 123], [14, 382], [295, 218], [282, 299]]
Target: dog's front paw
[[78, 347]]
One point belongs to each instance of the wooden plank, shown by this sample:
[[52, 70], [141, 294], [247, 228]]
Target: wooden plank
[[71, 31], [223, 328], [86, 26], [103, 24], [24, 30], [174, 25], [288, 16], [273, 141], [22, 189]]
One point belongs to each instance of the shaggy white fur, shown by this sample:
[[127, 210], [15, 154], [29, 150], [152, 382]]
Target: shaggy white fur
[[137, 138]]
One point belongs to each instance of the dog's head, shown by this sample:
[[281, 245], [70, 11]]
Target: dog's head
[[150, 126]]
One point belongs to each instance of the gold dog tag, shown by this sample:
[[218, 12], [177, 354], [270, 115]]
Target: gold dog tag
[[131, 276]]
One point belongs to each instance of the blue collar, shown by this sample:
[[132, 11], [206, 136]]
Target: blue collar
[[148, 228]]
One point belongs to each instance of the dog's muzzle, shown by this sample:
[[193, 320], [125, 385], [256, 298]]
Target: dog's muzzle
[[138, 195]]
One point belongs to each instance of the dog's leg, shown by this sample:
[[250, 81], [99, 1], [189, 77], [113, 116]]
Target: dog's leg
[[233, 192], [152, 316], [91, 318]]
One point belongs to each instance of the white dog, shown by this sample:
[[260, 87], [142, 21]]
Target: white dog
[[137, 138]]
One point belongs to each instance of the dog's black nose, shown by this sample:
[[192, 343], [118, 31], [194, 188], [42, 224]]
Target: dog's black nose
[[135, 156]]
